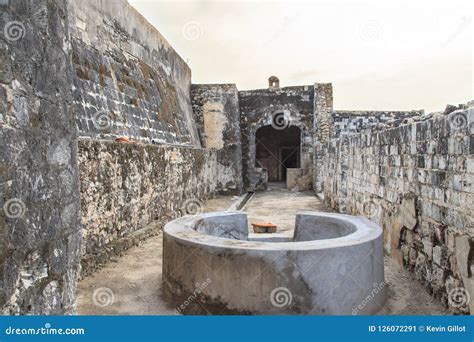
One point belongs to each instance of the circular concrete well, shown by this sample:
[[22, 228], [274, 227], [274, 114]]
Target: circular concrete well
[[333, 265]]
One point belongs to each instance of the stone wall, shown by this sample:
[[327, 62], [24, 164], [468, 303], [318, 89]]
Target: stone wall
[[417, 181], [358, 121], [217, 116], [259, 108], [97, 70], [128, 80], [323, 104], [39, 183], [126, 187]]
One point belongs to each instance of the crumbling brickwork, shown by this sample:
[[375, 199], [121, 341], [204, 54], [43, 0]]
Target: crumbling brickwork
[[358, 121], [416, 180]]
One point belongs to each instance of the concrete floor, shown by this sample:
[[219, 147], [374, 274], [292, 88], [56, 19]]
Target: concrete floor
[[131, 285]]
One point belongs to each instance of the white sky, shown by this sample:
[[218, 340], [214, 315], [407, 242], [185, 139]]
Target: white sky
[[378, 54]]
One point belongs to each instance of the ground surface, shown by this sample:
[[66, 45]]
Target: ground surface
[[279, 206], [131, 285]]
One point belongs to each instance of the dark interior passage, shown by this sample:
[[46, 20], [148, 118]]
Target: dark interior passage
[[277, 150]]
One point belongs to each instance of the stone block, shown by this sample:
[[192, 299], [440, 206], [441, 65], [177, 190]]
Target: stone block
[[438, 276], [299, 179], [440, 256], [427, 248], [413, 256], [420, 266], [409, 237], [408, 211], [405, 250], [463, 255]]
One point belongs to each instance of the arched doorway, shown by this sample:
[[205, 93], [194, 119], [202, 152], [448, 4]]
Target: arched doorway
[[277, 150]]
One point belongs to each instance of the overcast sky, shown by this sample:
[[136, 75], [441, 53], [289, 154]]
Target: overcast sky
[[377, 54]]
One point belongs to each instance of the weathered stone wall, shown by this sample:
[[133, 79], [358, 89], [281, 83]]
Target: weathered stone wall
[[128, 80], [417, 181], [217, 115], [323, 104], [357, 121], [259, 107], [39, 184], [126, 187], [98, 70]]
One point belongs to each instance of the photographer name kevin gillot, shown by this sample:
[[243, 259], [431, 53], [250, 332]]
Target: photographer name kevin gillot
[[449, 328]]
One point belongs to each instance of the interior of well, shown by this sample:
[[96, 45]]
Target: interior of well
[[307, 228]]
